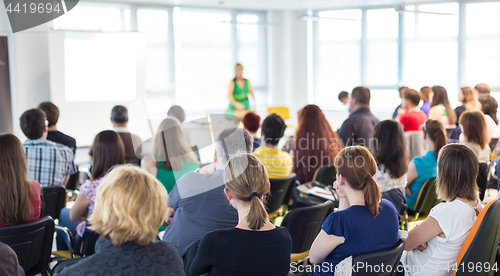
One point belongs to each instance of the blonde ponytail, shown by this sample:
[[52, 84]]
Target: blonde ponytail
[[257, 216]]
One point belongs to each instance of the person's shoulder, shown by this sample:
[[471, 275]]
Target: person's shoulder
[[36, 185], [259, 151], [387, 205], [165, 247]]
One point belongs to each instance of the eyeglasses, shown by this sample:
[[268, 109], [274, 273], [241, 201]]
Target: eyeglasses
[[46, 122]]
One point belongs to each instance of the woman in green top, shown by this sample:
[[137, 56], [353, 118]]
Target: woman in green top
[[172, 156], [238, 92]]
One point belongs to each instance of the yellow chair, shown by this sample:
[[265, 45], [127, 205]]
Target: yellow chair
[[282, 111]]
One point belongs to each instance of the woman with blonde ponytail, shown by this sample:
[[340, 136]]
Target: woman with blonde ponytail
[[424, 167], [255, 246], [365, 223]]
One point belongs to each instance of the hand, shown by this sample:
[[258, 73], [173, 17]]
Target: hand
[[407, 191], [239, 106], [170, 215], [339, 193], [206, 274], [401, 111], [422, 247]]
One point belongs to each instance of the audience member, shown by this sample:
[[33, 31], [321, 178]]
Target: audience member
[[108, 152], [400, 108], [49, 163], [390, 154], [263, 249], [20, 196], [173, 158], [130, 206], [489, 106], [475, 134], [344, 97], [315, 143], [132, 142], [251, 122], [423, 168], [177, 112], [413, 118], [197, 203], [426, 104], [440, 107], [358, 128], [468, 100], [482, 89], [277, 162], [54, 135], [9, 265], [345, 232], [433, 246]]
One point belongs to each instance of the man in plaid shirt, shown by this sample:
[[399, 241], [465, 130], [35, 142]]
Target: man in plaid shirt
[[49, 163]]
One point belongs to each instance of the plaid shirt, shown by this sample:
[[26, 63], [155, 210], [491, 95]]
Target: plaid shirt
[[49, 163]]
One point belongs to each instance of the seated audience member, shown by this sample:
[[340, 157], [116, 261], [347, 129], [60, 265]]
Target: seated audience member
[[489, 106], [108, 152], [433, 246], [482, 89], [277, 162], [413, 118], [422, 168], [49, 163], [9, 265], [344, 97], [390, 154], [315, 143], [400, 108], [424, 94], [177, 112], [197, 203], [358, 128], [475, 134], [440, 107], [251, 122], [263, 249], [468, 100], [54, 135], [20, 196], [130, 206], [173, 157], [132, 142], [345, 233]]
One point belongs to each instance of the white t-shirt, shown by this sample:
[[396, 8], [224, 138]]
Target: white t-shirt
[[455, 219], [493, 130]]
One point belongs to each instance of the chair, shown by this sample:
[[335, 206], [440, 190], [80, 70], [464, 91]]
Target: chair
[[481, 243], [427, 198], [73, 180], [304, 224], [87, 246], [325, 175], [371, 263], [493, 143], [32, 243], [279, 193], [282, 111], [53, 201], [414, 143], [482, 179]]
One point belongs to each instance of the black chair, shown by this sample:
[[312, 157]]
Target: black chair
[[326, 175], [482, 179], [493, 143], [73, 180], [60, 265], [372, 263], [279, 194], [304, 224], [32, 243], [53, 201]]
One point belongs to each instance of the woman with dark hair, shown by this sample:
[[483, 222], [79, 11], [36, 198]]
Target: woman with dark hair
[[20, 196], [424, 94], [365, 223], [315, 143], [390, 154], [108, 151], [489, 106], [440, 107], [422, 168]]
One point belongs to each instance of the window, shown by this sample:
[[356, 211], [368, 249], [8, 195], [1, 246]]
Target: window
[[93, 18]]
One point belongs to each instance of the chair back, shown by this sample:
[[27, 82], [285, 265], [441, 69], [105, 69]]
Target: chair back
[[53, 201], [304, 224], [414, 143], [326, 175], [372, 263], [282, 111], [427, 198], [280, 192], [493, 143], [481, 243], [32, 243], [88, 244], [73, 180], [482, 179]]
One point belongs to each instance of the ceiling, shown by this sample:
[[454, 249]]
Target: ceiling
[[276, 4]]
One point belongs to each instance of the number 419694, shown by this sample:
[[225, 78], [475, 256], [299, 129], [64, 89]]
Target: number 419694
[[34, 8], [474, 267]]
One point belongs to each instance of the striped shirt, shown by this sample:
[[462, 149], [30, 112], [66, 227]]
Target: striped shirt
[[48, 162], [277, 162]]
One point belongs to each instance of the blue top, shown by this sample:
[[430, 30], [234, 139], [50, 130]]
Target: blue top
[[363, 233], [426, 168], [256, 143], [426, 107]]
